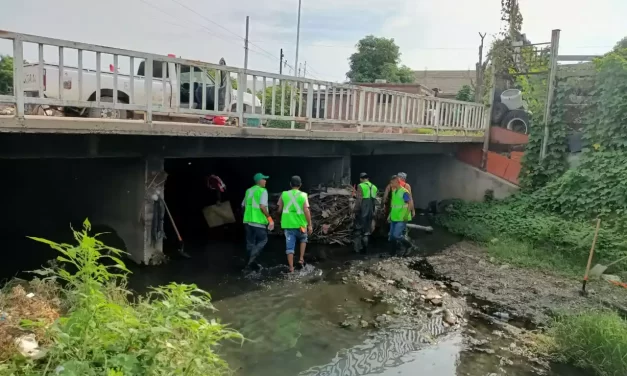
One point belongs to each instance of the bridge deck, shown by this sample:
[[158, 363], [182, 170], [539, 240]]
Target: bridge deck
[[69, 125], [164, 86]]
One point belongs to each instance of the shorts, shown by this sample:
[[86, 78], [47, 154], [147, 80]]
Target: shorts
[[293, 236]]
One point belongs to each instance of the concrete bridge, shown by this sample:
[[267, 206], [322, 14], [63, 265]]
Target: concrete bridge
[[59, 170]]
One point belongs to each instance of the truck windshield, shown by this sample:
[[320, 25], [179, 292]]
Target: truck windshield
[[198, 75]]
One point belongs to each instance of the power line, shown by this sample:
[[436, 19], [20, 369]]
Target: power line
[[229, 31], [207, 30]]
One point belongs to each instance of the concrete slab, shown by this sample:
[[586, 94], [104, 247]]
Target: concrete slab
[[68, 125]]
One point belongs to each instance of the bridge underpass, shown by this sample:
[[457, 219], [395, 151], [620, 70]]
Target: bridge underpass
[[51, 181]]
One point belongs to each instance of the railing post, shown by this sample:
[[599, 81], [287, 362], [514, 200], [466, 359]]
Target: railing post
[[240, 98], [404, 110], [362, 108], [436, 120], [148, 89], [18, 77], [309, 109]]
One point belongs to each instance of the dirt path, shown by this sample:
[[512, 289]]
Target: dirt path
[[531, 294]]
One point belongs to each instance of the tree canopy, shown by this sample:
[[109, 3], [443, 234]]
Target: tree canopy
[[6, 74], [378, 58]]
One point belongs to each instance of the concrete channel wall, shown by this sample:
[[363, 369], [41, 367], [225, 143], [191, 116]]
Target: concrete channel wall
[[52, 181]]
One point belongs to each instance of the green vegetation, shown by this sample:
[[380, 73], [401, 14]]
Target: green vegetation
[[595, 340], [104, 332], [378, 58], [550, 224], [6, 74], [466, 94]]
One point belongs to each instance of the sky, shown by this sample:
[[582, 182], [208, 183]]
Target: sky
[[433, 35]]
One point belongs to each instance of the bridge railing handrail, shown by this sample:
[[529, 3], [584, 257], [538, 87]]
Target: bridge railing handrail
[[276, 97]]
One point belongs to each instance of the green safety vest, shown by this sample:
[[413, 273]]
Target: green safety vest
[[252, 210], [293, 215], [367, 188], [399, 211]]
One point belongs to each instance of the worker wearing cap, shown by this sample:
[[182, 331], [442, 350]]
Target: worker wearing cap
[[364, 212], [401, 212], [256, 217], [387, 195], [295, 221]]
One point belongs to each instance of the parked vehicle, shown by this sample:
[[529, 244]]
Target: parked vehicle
[[159, 91]]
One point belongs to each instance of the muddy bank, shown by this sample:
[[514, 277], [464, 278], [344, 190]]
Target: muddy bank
[[529, 294]]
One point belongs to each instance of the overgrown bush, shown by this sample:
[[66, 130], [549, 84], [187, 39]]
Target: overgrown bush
[[595, 340], [104, 332]]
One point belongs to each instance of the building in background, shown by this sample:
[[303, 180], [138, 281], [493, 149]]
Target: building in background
[[449, 82]]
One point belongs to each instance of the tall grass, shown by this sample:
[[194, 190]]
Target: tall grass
[[596, 340], [525, 255], [104, 332]]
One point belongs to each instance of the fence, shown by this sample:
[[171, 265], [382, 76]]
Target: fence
[[175, 86]]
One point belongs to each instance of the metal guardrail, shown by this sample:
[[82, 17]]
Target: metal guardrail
[[286, 98]]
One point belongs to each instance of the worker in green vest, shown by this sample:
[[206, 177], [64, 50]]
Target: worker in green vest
[[295, 221], [365, 205], [256, 218], [401, 212]]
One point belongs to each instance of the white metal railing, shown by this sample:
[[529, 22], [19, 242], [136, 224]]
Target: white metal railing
[[277, 97]]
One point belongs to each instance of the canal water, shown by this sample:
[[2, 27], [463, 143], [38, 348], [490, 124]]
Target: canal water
[[291, 323]]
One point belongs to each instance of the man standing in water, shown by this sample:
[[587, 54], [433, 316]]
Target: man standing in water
[[295, 221], [256, 217], [364, 212], [401, 211]]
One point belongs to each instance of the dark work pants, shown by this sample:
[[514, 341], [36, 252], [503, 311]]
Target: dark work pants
[[256, 239]]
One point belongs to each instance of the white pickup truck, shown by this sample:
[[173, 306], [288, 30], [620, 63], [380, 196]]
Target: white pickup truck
[[70, 88]]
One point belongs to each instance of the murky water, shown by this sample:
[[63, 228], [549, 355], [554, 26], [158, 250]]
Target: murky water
[[292, 324]]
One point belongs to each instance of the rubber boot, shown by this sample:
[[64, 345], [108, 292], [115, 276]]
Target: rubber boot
[[364, 243]]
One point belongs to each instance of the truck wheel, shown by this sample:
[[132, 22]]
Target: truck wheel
[[498, 112], [517, 121], [107, 113]]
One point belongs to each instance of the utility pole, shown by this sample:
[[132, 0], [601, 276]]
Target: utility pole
[[513, 13], [305, 70], [297, 35], [246, 46], [298, 74], [479, 72], [281, 62]]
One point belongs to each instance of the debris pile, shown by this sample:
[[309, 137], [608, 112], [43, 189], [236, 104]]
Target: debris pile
[[16, 305], [331, 213]]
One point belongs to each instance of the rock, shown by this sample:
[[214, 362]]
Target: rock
[[501, 315], [492, 260], [487, 351], [505, 362], [436, 302], [398, 311], [298, 354], [425, 289], [345, 324], [512, 346], [611, 277], [432, 295], [449, 317], [390, 281], [382, 319], [504, 266], [364, 324], [440, 284], [367, 300], [361, 274], [456, 286]]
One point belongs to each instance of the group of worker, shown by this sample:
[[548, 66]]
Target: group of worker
[[398, 206], [296, 221]]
